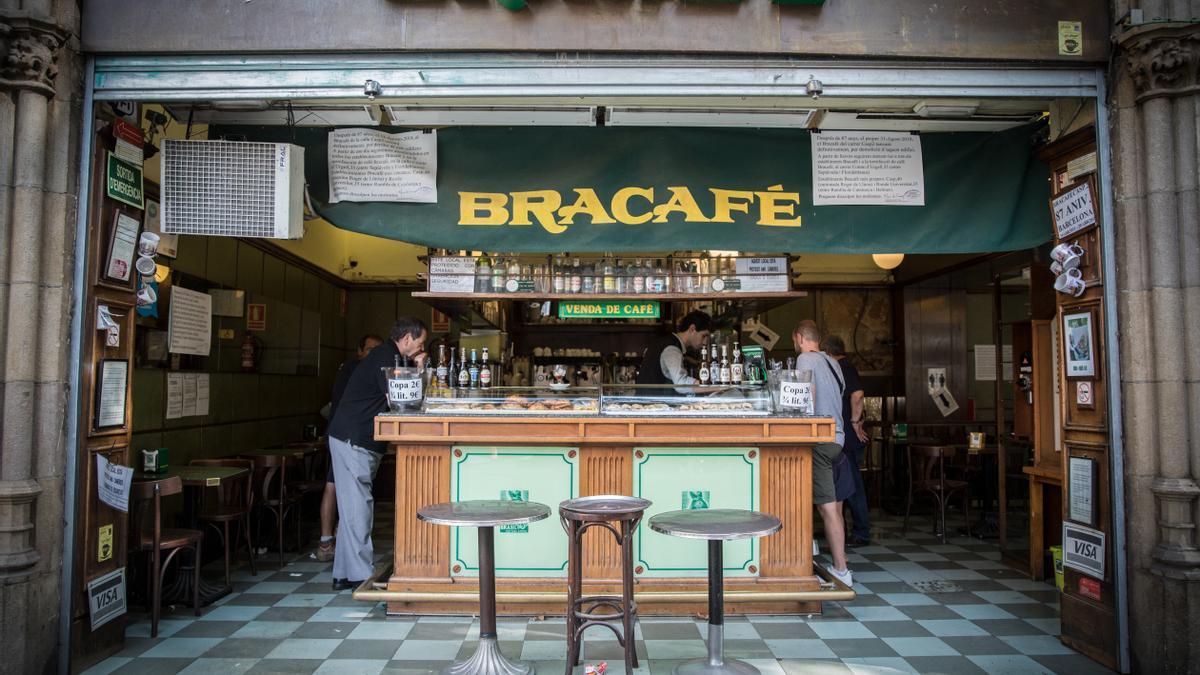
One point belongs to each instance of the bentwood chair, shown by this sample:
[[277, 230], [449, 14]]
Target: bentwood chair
[[927, 475], [228, 503], [156, 540], [271, 476]]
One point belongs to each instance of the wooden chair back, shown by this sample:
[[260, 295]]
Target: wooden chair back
[[924, 459]]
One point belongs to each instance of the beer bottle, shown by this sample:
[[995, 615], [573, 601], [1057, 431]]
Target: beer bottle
[[485, 372], [473, 371], [464, 375], [705, 375], [735, 369]]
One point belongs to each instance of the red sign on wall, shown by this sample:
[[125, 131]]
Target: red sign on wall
[[256, 316], [439, 323], [1089, 588]]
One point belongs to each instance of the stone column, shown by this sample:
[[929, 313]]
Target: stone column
[[40, 96], [1155, 88]]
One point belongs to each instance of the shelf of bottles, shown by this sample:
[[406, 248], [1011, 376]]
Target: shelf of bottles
[[607, 276]]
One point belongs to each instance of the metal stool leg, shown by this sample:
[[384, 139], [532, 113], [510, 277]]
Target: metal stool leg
[[627, 597], [574, 590], [487, 659], [716, 664]]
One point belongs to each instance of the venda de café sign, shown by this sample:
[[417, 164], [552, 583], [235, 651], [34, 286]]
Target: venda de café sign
[[773, 207]]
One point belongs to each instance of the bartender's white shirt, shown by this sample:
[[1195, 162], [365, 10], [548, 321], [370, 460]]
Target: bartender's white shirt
[[671, 362]]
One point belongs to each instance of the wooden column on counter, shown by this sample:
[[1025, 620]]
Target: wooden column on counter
[[425, 447]]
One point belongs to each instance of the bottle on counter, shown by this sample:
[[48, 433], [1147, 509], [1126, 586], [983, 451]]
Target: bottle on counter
[[639, 278], [499, 274], [735, 368], [619, 286], [610, 281], [588, 282], [515, 271], [442, 370], [660, 277], [464, 374], [473, 372], [725, 375], [713, 357], [485, 372], [483, 274], [559, 280], [705, 372]]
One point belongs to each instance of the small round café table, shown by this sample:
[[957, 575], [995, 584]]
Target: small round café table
[[485, 515], [717, 526]]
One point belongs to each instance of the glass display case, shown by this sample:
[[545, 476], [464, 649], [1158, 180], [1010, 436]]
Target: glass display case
[[532, 401], [667, 400]]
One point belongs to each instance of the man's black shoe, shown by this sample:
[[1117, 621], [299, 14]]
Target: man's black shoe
[[854, 542], [343, 584]]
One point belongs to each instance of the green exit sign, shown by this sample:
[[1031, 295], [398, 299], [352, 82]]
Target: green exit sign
[[609, 309]]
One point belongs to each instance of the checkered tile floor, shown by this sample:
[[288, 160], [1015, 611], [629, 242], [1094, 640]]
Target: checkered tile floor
[[922, 607]]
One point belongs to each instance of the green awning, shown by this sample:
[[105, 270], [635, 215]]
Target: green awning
[[983, 192]]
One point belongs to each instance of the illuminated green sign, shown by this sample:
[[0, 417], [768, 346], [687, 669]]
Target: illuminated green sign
[[609, 309]]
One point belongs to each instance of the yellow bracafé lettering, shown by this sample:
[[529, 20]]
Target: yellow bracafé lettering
[[542, 204], [683, 202], [587, 202], [774, 204], [620, 205], [724, 204], [491, 204]]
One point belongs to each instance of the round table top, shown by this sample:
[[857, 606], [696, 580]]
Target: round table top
[[720, 524], [483, 513], [606, 504]]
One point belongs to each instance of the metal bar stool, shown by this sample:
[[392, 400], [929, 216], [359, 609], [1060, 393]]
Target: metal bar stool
[[577, 515], [485, 515], [717, 526]]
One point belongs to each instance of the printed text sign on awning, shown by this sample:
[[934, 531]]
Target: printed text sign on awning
[[621, 189]]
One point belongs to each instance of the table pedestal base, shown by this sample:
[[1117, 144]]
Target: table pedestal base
[[487, 660], [716, 663]]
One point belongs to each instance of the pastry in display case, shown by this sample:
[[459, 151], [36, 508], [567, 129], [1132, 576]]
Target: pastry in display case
[[514, 401], [669, 400]]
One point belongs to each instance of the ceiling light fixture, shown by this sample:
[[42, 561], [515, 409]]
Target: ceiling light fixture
[[887, 261]]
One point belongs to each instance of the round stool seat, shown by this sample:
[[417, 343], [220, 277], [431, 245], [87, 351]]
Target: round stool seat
[[603, 507], [483, 513], [715, 524]]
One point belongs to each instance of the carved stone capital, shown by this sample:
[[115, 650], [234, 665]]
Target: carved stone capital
[[29, 49], [17, 501], [1162, 59], [1176, 554]]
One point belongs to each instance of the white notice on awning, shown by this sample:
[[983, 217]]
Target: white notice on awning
[[375, 166], [867, 167]]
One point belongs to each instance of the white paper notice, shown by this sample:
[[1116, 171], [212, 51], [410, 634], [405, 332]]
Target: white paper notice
[[762, 274], [113, 378], [375, 166], [113, 481], [451, 274], [174, 396], [945, 402], [202, 394], [189, 395], [120, 261], [1006, 364], [1082, 482], [867, 167], [985, 363], [189, 330]]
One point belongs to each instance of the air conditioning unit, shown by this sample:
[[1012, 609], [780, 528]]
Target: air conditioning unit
[[233, 189]]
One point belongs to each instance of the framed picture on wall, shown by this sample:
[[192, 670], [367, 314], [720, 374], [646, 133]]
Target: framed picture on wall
[[122, 247], [1079, 344]]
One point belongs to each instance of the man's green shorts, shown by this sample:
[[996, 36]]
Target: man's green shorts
[[822, 471]]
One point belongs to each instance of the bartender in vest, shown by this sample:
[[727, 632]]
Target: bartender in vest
[[664, 361]]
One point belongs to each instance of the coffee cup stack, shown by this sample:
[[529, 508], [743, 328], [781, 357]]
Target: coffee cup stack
[[147, 249], [1065, 266]]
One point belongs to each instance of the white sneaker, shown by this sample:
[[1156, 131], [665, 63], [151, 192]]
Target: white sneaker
[[844, 576]]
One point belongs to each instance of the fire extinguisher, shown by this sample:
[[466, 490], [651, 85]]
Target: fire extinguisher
[[250, 350]]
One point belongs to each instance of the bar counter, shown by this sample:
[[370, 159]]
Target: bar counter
[[760, 463]]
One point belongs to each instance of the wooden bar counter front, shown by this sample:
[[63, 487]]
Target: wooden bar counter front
[[761, 463]]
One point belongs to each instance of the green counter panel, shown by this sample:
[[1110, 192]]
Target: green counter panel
[[691, 478], [545, 475]]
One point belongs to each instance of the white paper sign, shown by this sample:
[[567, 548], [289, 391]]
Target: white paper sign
[[945, 402], [404, 391], [867, 167], [1082, 487], [1083, 550], [1074, 211], [451, 274], [106, 597], [762, 274], [120, 262], [112, 483], [189, 329], [189, 395], [201, 394], [111, 408], [797, 396], [985, 363], [374, 166], [174, 396]]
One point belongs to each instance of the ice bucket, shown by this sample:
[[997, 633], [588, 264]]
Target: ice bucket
[[405, 388]]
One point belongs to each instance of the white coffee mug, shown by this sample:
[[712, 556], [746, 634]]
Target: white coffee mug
[[1067, 255], [1056, 268], [145, 266], [148, 244], [1070, 282], [146, 296]]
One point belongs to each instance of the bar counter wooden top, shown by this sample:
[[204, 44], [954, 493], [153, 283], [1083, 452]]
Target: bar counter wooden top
[[425, 447]]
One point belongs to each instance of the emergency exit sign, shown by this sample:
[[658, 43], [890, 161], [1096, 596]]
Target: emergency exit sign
[[600, 309]]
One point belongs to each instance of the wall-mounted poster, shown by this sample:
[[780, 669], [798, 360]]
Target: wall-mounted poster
[[1074, 209], [1079, 344], [122, 247]]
